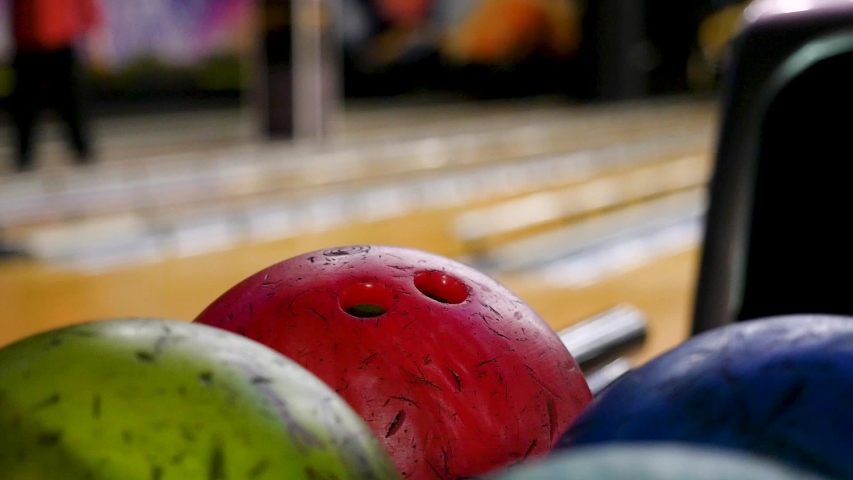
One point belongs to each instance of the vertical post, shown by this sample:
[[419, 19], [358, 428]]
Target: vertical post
[[317, 63], [275, 73], [300, 68], [622, 43], [614, 46], [250, 73]]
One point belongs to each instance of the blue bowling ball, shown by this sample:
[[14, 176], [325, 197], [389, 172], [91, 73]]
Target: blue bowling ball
[[654, 462], [779, 387]]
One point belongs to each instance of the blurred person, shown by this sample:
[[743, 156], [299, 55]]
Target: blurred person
[[404, 12], [508, 31], [47, 34], [405, 32]]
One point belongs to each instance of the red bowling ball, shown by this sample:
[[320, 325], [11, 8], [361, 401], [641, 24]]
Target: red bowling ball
[[456, 376]]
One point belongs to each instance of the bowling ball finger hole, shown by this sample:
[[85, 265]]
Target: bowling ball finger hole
[[366, 300], [441, 287]]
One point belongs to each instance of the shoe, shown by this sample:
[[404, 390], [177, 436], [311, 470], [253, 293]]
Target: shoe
[[84, 159], [7, 252]]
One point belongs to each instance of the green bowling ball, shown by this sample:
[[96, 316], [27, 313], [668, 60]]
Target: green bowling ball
[[147, 399], [663, 461]]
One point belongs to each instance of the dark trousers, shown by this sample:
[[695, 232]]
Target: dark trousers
[[45, 79]]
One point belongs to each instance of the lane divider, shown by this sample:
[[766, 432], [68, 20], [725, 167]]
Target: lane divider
[[538, 252], [481, 227], [278, 218]]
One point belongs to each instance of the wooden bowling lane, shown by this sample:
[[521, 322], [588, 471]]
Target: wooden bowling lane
[[47, 294], [37, 297], [438, 206], [493, 165]]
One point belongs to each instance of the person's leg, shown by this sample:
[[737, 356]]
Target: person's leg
[[25, 103], [8, 252], [69, 102]]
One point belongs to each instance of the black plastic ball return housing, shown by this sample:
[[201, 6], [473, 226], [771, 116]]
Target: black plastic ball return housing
[[777, 240]]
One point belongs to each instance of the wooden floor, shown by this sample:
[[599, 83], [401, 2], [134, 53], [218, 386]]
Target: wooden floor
[[43, 294]]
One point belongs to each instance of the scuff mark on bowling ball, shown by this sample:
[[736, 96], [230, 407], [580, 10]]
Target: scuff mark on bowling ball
[[49, 439], [156, 472], [206, 378], [395, 424], [145, 357], [216, 470], [258, 469], [50, 401], [345, 251]]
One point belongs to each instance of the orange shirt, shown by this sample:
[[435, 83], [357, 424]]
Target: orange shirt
[[404, 12], [51, 24]]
